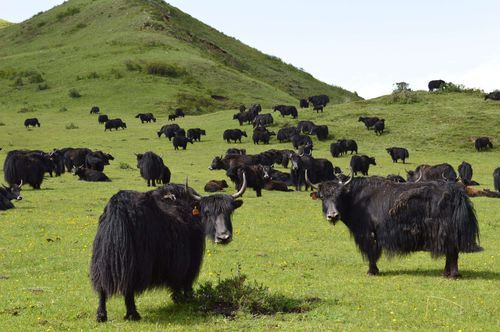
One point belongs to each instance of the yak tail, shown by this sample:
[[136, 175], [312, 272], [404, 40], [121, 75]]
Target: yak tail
[[466, 225], [113, 263]]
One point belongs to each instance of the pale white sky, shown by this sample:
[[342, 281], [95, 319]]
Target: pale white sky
[[363, 46]]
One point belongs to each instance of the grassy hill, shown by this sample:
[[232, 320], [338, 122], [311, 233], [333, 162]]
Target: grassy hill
[[147, 55], [4, 23], [281, 239]]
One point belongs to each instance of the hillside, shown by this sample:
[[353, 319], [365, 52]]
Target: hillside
[[145, 54], [4, 23]]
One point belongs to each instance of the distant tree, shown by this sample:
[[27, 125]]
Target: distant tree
[[401, 86]]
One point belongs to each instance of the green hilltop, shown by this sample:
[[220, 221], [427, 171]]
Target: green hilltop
[[141, 55], [4, 23]]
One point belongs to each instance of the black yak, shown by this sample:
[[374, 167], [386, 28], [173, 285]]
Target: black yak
[[168, 130], [7, 194], [379, 127], [103, 118], [303, 103], [465, 173], [319, 100], [285, 133], [146, 117], [400, 218], [156, 239], [483, 143], [254, 176], [233, 135], [181, 142], [435, 85], [440, 172], [152, 168], [179, 112], [398, 153], [172, 117], [27, 167], [31, 122], [305, 126], [320, 131], [286, 110], [495, 95], [87, 174], [368, 121], [262, 120], [96, 160], [361, 164], [236, 151], [94, 110], [195, 134], [114, 124]]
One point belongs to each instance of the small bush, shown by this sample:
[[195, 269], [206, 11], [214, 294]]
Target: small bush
[[71, 126], [43, 86], [402, 94], [74, 93], [18, 82], [27, 110], [165, 70], [452, 87], [68, 12], [63, 109], [2, 124], [125, 166], [116, 73], [234, 294], [93, 75], [35, 77], [132, 66]]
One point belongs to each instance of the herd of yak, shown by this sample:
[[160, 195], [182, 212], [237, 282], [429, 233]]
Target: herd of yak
[[157, 238]]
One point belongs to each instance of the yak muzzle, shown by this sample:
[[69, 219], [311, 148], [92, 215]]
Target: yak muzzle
[[19, 198], [223, 239], [333, 218]]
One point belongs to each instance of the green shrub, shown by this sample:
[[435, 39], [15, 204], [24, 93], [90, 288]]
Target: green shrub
[[402, 94], [165, 70], [27, 110], [132, 66], [74, 93], [452, 87], [43, 86], [18, 82], [2, 124], [68, 12], [116, 73], [63, 109], [34, 77], [93, 75], [71, 126], [235, 294], [125, 166]]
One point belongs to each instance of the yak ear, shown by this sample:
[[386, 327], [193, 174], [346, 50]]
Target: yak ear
[[237, 203]]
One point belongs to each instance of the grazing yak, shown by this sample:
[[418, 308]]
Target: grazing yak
[[298, 140], [233, 135], [242, 108], [319, 169], [169, 131], [379, 127], [97, 160], [94, 110], [286, 110], [33, 122], [262, 120], [23, 166], [255, 177], [152, 168], [285, 133], [213, 186], [233, 160], [303, 103], [397, 154], [483, 143], [440, 172], [103, 118], [261, 134], [172, 117], [114, 124], [368, 121], [196, 133], [156, 239], [181, 142], [496, 179], [305, 126], [465, 173], [319, 100], [7, 194], [320, 131], [179, 112], [495, 95], [146, 117], [436, 85], [342, 146], [87, 174], [400, 218], [361, 164], [318, 108]]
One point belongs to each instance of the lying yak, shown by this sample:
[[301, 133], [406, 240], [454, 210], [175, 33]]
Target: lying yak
[[400, 218], [156, 239]]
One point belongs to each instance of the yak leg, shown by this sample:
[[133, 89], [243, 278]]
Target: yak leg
[[132, 313], [258, 191], [374, 253], [102, 315], [451, 267]]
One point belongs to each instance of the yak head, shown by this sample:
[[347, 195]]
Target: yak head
[[266, 172], [244, 133], [216, 210], [296, 161], [12, 192], [217, 163], [331, 194]]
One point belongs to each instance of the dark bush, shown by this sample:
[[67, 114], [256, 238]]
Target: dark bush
[[132, 66], [27, 110], [93, 75], [63, 109], [71, 126], [68, 12], [43, 86], [165, 70], [74, 93]]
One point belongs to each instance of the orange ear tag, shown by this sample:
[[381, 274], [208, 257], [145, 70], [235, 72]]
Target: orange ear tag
[[195, 212]]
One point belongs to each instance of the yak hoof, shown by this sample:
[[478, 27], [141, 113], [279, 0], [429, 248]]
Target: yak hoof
[[373, 272], [132, 316], [454, 275], [101, 317]]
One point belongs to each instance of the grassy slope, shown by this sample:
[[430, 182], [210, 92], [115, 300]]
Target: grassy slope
[[4, 23], [280, 239], [103, 35]]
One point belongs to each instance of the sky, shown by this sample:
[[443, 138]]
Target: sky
[[363, 46]]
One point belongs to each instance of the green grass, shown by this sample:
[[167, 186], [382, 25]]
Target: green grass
[[4, 23], [281, 240]]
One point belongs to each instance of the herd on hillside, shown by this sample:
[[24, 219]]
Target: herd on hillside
[[430, 210]]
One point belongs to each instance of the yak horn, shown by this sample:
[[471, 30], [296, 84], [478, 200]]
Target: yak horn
[[350, 179], [444, 177], [243, 187], [309, 183], [193, 196], [420, 176], [20, 184]]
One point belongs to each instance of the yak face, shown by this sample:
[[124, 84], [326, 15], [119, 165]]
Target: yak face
[[216, 211], [266, 172], [371, 160], [216, 163], [12, 192], [296, 162], [244, 133], [330, 194]]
